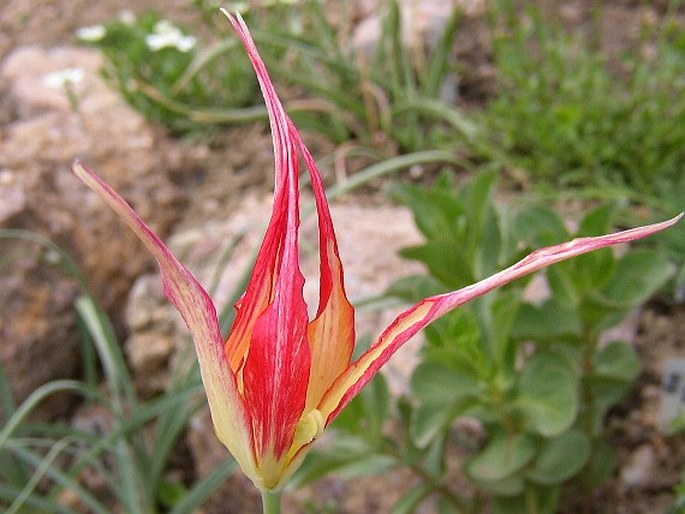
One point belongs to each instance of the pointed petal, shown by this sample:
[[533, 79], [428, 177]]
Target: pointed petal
[[430, 309], [276, 370], [332, 332], [199, 313]]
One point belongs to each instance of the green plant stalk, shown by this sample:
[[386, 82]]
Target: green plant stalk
[[40, 472], [458, 502], [586, 424], [271, 501]]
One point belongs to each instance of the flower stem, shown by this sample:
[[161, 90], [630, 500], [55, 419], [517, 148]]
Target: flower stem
[[271, 502]]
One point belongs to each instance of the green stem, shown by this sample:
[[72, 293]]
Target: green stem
[[271, 501]]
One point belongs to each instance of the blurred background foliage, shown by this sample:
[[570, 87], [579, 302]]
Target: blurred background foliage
[[565, 122]]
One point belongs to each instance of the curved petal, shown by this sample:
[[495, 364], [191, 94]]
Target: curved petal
[[430, 309], [277, 365], [199, 313], [332, 332]]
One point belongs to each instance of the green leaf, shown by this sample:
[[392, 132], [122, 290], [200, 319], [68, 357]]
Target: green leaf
[[535, 499], [416, 287], [445, 259], [412, 499], [318, 464], [547, 322], [619, 361], [637, 277], [600, 468], [457, 341], [504, 310], [615, 368], [437, 211], [547, 394], [366, 414], [491, 250], [478, 202], [560, 458], [502, 457], [171, 493], [509, 486], [540, 227], [440, 391], [597, 221]]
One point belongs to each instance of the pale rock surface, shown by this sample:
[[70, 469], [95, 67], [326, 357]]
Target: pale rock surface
[[640, 467], [43, 131]]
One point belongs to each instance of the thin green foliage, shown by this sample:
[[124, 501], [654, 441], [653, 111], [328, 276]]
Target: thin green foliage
[[570, 115], [388, 97]]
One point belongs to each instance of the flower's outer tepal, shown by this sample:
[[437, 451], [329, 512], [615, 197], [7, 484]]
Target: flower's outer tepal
[[279, 379]]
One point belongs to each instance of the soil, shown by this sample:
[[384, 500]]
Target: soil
[[632, 424]]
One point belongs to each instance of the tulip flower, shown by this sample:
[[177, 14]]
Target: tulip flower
[[279, 379]]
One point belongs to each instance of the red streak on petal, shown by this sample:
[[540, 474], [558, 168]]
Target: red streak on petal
[[272, 317], [332, 332]]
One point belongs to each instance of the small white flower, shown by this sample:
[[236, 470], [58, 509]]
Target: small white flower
[[241, 7], [166, 35], [127, 17], [53, 257], [62, 78], [92, 33]]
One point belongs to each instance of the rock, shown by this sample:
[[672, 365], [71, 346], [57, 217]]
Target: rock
[[37, 324], [153, 340], [43, 133], [639, 470]]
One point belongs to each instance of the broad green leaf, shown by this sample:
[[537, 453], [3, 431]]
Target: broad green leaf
[[540, 227], [457, 341], [592, 270], [537, 499], [509, 486], [437, 384], [412, 499], [367, 413], [434, 457], [490, 247], [547, 394], [416, 287], [376, 400], [560, 458], [637, 277], [597, 221], [564, 288], [617, 360], [446, 260], [600, 467], [547, 322], [477, 201], [615, 368], [435, 210], [502, 457], [428, 420], [504, 310], [441, 392]]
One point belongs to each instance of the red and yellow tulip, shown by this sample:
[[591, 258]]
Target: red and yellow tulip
[[279, 378]]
